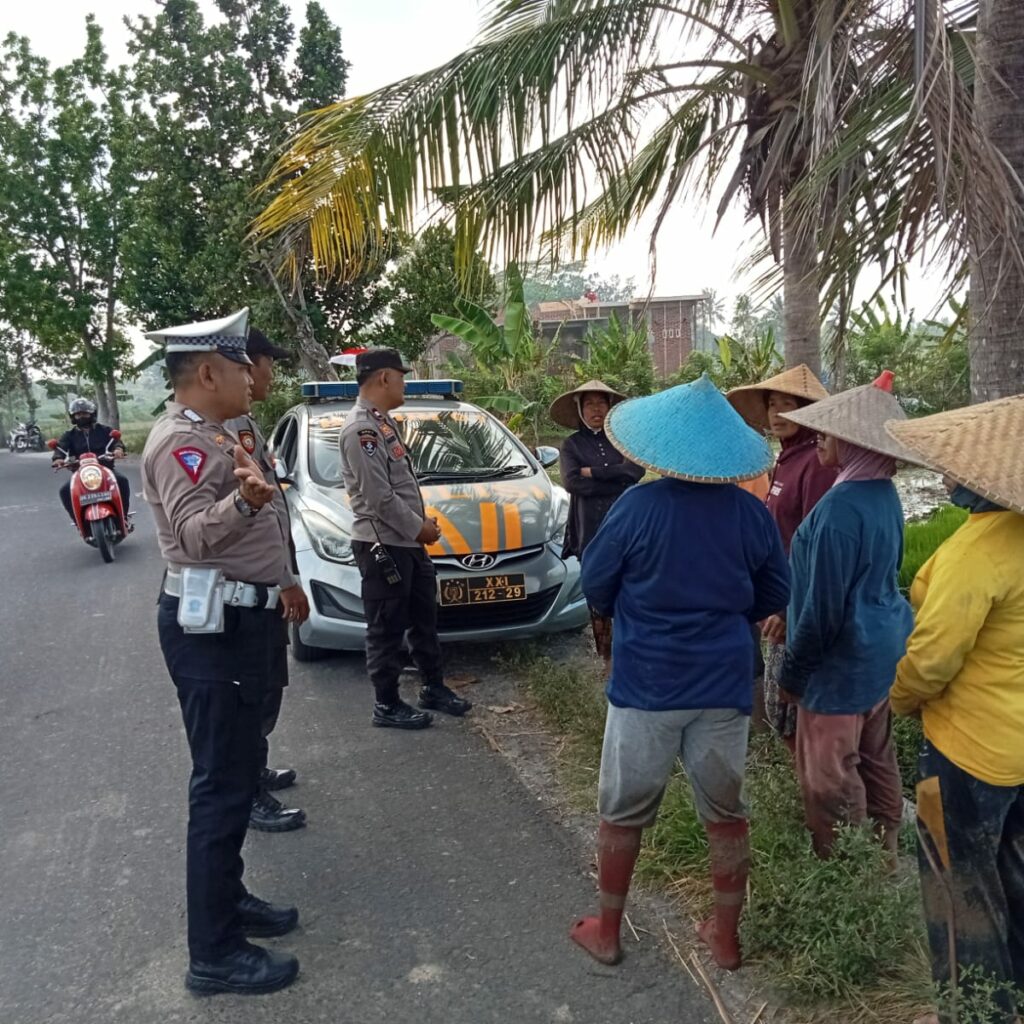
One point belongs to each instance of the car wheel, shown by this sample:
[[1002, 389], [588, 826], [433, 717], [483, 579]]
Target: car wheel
[[302, 651]]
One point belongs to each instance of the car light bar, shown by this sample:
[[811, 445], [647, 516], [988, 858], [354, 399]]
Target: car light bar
[[319, 390]]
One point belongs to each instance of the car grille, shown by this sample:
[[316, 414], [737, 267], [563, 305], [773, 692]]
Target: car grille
[[509, 613]]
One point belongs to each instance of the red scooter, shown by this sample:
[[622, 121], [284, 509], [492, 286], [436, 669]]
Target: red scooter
[[96, 498]]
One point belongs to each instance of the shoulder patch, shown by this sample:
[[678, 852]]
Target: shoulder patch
[[191, 460], [248, 439], [368, 441]]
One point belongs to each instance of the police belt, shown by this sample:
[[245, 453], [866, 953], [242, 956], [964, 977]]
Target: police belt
[[236, 593]]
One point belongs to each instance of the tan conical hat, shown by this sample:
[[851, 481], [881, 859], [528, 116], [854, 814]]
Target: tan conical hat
[[564, 411], [858, 416], [751, 400], [978, 446]]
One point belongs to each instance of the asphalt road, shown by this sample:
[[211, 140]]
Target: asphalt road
[[432, 886]]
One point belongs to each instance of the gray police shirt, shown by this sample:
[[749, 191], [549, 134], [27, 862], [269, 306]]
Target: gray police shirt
[[381, 483]]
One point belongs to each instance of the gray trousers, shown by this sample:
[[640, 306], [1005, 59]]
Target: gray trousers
[[639, 752]]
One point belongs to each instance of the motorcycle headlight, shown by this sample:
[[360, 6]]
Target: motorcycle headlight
[[329, 540], [91, 477], [559, 514]]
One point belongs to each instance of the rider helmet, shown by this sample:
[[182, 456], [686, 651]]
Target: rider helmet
[[82, 412]]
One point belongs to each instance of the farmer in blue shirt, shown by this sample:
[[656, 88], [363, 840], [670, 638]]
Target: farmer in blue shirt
[[684, 565], [847, 624]]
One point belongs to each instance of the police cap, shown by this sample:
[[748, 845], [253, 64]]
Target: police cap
[[258, 344], [374, 359]]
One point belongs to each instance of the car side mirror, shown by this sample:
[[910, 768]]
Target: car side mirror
[[281, 472], [547, 455]]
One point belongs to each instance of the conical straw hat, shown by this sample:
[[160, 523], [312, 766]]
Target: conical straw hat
[[978, 446], [751, 400], [563, 409], [689, 432], [859, 417]]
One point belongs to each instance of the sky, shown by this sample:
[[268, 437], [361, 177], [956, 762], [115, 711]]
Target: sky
[[388, 39]]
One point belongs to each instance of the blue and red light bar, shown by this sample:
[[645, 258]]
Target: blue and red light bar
[[322, 390]]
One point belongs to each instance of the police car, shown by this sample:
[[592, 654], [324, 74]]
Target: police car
[[499, 566]]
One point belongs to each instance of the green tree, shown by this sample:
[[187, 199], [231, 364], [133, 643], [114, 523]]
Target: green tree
[[619, 355], [66, 192], [425, 282], [567, 122], [573, 281], [217, 99]]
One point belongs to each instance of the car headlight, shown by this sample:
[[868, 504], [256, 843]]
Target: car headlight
[[329, 540], [559, 514], [91, 477]]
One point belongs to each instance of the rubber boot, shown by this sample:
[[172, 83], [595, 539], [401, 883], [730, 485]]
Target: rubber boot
[[729, 842], [617, 850]]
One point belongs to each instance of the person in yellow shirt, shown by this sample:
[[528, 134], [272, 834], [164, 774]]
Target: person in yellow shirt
[[963, 673]]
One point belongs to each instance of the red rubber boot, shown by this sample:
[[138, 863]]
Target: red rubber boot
[[617, 850], [730, 867]]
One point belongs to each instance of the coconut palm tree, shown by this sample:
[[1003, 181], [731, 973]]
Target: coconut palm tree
[[569, 120]]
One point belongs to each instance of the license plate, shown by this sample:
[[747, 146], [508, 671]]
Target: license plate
[[90, 497], [482, 589]]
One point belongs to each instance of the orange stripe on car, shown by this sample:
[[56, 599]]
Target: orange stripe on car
[[449, 535], [488, 526], [513, 527]]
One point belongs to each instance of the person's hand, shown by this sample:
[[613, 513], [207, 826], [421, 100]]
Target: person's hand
[[430, 532], [120, 453], [773, 629], [252, 485], [785, 697], [58, 463], [294, 604], [587, 472]]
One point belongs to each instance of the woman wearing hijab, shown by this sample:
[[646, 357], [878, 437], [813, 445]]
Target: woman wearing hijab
[[595, 474], [686, 564], [847, 623], [963, 673], [798, 482]]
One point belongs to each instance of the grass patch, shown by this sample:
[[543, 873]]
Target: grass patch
[[921, 539], [837, 936]]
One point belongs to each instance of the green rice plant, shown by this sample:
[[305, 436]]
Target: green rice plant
[[922, 539], [907, 737]]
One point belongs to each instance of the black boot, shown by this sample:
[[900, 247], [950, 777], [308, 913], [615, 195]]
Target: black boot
[[440, 698], [400, 716], [251, 970], [268, 814], [264, 920], [277, 778]]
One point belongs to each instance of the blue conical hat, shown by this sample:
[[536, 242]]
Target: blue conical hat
[[690, 432]]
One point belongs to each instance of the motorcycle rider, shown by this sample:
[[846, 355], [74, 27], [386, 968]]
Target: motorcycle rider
[[86, 435]]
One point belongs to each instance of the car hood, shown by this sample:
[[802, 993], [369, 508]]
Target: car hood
[[485, 516]]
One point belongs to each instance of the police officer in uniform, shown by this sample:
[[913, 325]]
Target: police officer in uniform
[[389, 532], [227, 596], [268, 813]]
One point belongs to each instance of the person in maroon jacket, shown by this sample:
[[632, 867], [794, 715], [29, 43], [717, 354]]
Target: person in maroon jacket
[[798, 482]]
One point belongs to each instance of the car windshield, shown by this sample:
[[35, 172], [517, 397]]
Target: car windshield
[[444, 445]]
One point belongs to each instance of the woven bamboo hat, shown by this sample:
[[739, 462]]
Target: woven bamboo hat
[[564, 410], [978, 446], [858, 416], [751, 400], [689, 432]]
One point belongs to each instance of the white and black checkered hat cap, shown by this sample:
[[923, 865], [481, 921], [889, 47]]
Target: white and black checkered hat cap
[[227, 336]]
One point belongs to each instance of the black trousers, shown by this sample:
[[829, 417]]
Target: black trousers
[[971, 855], [221, 680], [122, 483], [394, 610], [270, 709]]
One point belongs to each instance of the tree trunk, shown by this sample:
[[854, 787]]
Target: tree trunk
[[996, 340], [313, 356], [800, 296], [113, 410], [110, 344]]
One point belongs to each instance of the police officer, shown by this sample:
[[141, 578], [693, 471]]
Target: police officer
[[389, 531], [86, 435], [268, 813], [221, 539]]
